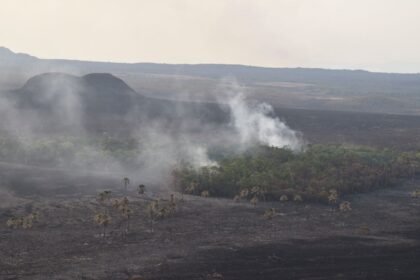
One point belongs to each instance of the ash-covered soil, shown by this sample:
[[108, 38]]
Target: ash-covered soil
[[206, 238]]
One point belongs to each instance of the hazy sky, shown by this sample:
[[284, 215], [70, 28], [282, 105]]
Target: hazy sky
[[380, 35]]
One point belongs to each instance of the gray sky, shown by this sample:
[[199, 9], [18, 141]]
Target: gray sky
[[379, 35]]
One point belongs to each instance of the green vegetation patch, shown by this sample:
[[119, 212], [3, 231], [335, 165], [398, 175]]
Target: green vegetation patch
[[318, 174]]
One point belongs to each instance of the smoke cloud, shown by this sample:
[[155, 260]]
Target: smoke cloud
[[152, 148], [257, 125]]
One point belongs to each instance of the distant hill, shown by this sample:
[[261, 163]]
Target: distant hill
[[99, 102], [93, 93], [319, 89]]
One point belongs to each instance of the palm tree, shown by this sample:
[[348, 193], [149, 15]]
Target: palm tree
[[153, 211], [172, 202], [104, 196], [141, 189], [126, 182], [126, 212], [103, 220], [123, 207]]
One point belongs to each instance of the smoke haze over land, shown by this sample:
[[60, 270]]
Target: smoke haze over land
[[97, 122]]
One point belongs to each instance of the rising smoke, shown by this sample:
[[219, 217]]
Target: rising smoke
[[160, 146], [257, 125]]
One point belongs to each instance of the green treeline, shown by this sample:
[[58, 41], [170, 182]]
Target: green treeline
[[312, 175]]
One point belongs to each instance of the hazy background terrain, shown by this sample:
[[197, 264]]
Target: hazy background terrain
[[340, 90]]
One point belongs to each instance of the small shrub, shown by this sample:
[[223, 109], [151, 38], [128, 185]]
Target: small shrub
[[333, 196], [297, 198], [284, 198], [415, 194], [364, 230], [254, 201], [269, 213], [244, 193], [345, 206], [156, 211], [104, 197], [14, 223], [191, 188]]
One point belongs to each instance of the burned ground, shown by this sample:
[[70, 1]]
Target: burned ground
[[205, 238]]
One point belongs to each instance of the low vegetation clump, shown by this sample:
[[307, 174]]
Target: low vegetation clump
[[284, 198], [321, 173], [345, 206], [269, 213], [24, 222], [415, 194], [298, 198]]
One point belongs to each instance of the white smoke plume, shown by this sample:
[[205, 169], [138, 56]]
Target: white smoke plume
[[257, 125]]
